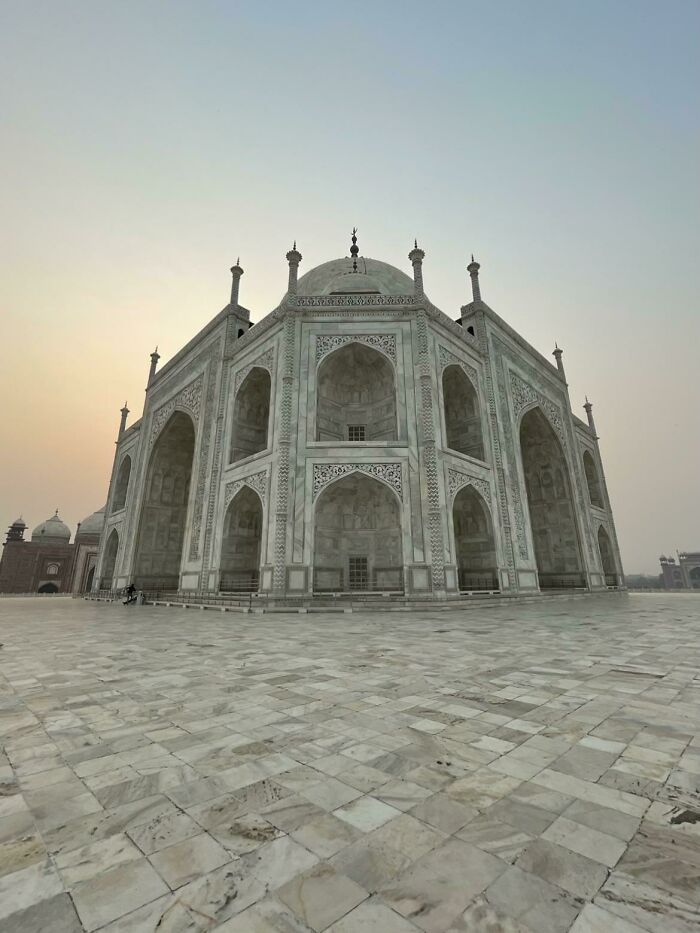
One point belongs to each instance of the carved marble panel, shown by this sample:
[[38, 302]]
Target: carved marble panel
[[266, 361], [449, 359], [325, 473], [385, 343], [457, 480], [188, 399], [257, 482]]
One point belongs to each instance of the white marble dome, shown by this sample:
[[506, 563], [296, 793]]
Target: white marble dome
[[93, 524], [372, 277], [53, 529]]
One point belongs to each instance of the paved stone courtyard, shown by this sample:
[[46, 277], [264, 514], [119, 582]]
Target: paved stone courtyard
[[520, 769]]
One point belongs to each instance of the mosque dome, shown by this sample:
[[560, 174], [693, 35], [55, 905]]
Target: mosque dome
[[93, 524], [338, 278], [19, 523], [53, 530]]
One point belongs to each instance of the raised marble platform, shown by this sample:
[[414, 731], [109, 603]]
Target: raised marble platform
[[533, 767]]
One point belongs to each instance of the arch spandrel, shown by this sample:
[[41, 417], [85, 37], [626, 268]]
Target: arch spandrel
[[324, 474]]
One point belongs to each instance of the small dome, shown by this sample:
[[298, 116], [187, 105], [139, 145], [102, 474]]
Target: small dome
[[53, 530], [93, 524], [372, 277], [19, 523]]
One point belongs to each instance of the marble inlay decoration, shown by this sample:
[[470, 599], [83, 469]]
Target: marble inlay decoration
[[385, 343], [325, 473], [457, 480], [188, 399], [257, 482]]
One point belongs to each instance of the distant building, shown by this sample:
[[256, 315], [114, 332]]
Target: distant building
[[684, 575], [50, 563]]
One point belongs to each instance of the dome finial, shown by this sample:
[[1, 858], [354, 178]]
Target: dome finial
[[354, 249]]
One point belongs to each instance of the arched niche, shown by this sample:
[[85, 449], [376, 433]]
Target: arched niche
[[592, 480], [241, 544], [161, 532], [109, 561], [89, 580], [251, 415], [607, 557], [462, 415], [356, 396], [550, 502], [48, 588], [357, 537], [122, 484], [694, 577], [475, 546]]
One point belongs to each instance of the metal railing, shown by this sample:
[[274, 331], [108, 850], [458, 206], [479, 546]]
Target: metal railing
[[379, 580], [240, 581], [471, 581], [562, 581]]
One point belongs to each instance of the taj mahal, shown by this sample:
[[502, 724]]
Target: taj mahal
[[358, 440]]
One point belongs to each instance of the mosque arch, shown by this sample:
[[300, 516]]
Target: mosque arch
[[463, 430], [356, 396], [607, 557], [694, 577], [475, 545], [592, 480], [251, 415], [110, 560], [241, 543], [161, 534], [357, 536], [551, 504], [122, 484], [89, 580], [48, 588]]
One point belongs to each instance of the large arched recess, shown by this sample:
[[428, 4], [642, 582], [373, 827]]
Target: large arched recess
[[357, 537], [462, 415], [550, 501], [251, 415], [592, 481], [356, 396], [607, 557], [694, 577], [122, 484], [240, 547], [109, 561], [164, 511], [475, 547]]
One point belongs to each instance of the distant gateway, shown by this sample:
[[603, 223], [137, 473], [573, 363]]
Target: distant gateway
[[358, 440]]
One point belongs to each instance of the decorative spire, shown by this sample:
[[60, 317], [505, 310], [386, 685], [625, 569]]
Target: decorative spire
[[473, 270], [294, 257], [354, 249], [589, 414], [557, 353], [236, 273], [122, 423], [416, 257], [155, 356]]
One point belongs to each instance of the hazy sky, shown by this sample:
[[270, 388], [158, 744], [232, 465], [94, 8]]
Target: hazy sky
[[147, 144]]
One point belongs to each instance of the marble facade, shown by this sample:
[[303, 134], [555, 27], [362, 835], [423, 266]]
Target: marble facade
[[357, 438]]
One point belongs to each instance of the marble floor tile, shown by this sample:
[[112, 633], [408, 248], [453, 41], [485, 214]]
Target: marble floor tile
[[20, 853], [190, 859], [652, 908], [598, 846], [267, 916], [372, 917], [163, 831], [496, 837], [94, 859], [326, 835], [438, 886], [575, 873], [28, 886], [594, 919], [320, 896], [366, 813], [542, 907], [116, 892], [53, 915]]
